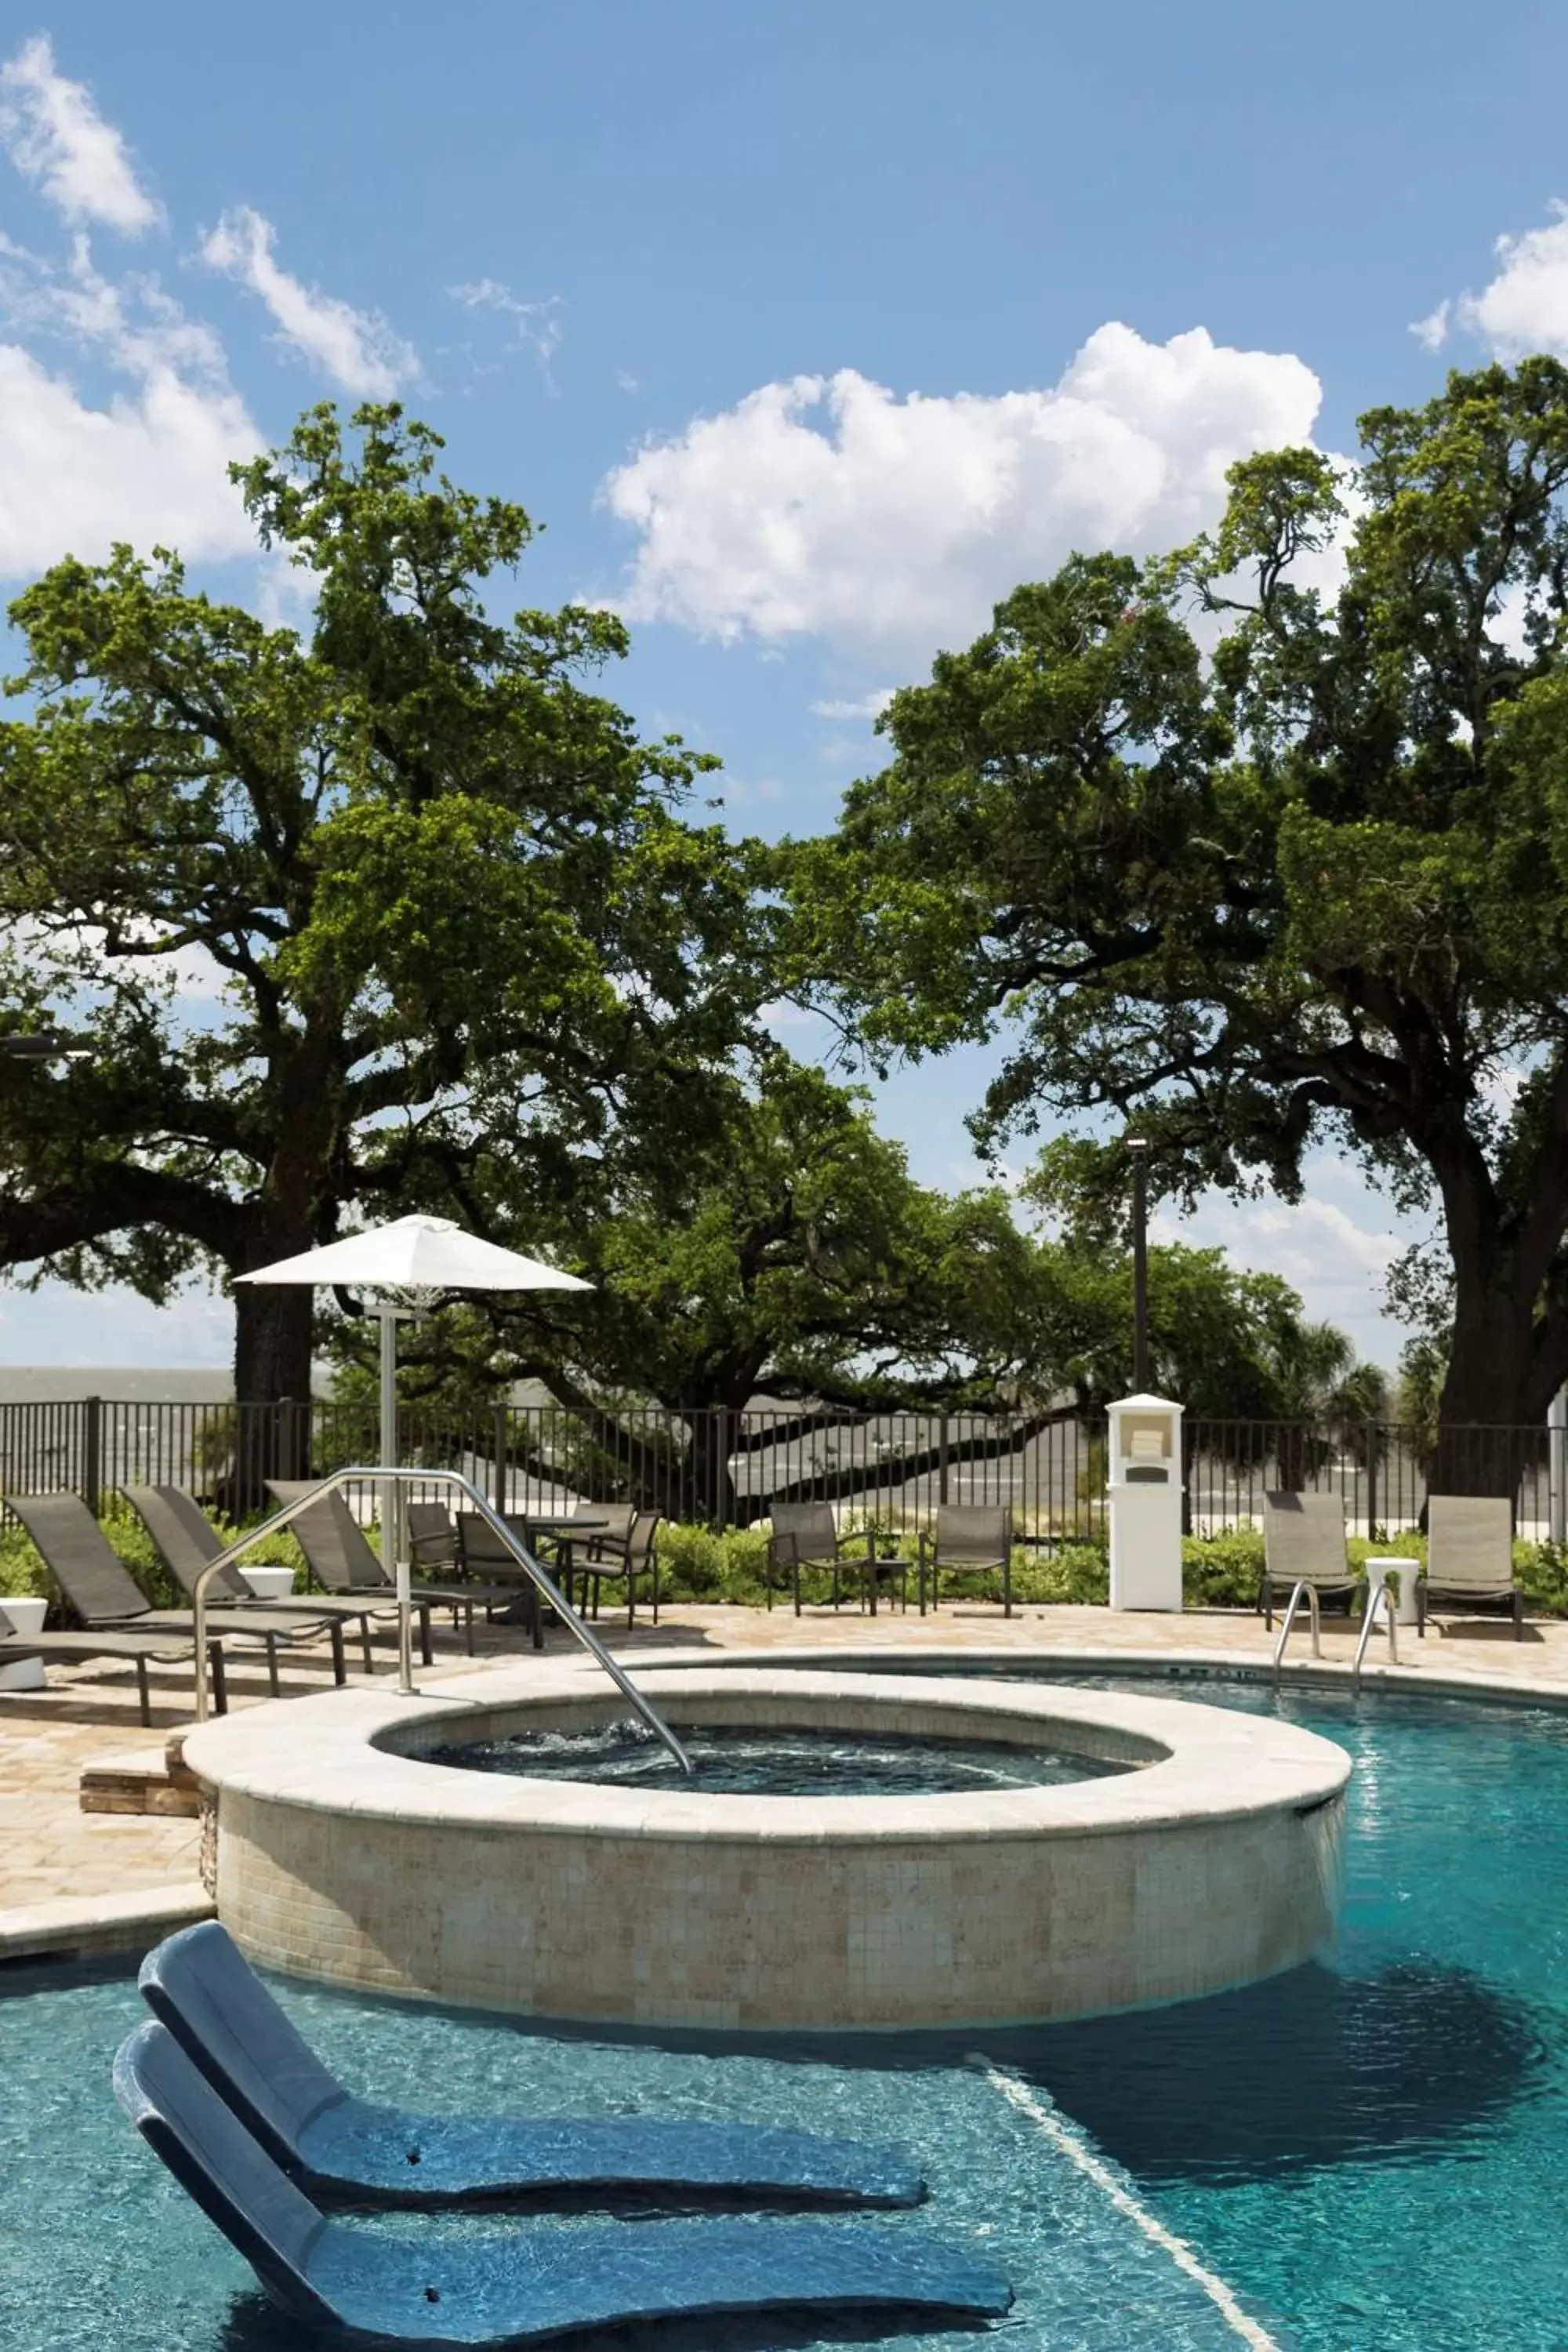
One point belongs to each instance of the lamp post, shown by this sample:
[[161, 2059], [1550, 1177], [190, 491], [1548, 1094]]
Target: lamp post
[[1138, 1152]]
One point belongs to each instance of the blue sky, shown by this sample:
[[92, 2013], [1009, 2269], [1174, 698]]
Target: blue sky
[[806, 329]]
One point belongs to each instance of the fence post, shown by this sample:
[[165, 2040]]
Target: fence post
[[941, 1461], [93, 1452], [1372, 1435], [499, 1446]]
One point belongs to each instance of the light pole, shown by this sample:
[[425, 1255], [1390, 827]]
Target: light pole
[[1138, 1152]]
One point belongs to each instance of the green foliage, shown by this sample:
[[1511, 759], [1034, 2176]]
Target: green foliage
[[456, 926], [1311, 893]]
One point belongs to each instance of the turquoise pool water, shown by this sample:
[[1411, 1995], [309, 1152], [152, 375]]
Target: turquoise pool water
[[1371, 2154], [774, 1763]]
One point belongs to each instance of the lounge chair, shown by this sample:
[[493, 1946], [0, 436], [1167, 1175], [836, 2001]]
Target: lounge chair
[[1304, 1543], [100, 1590], [186, 1542], [340, 1557], [202, 1987], [513, 2286], [141, 1649], [805, 1535], [969, 1539], [628, 1548], [1469, 1557]]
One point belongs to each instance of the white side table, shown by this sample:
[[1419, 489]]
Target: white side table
[[269, 1583], [27, 1614], [1407, 1571]]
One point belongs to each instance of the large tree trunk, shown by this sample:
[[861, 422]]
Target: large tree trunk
[[274, 1328]]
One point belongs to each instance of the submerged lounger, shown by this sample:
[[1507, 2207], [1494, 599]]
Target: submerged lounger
[[516, 2285], [200, 1985]]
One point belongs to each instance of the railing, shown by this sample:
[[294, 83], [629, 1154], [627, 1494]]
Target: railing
[[452, 1481], [1379, 1591], [1314, 1611], [727, 1469]]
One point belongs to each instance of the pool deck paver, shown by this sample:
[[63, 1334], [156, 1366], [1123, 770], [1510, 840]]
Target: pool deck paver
[[52, 1853]]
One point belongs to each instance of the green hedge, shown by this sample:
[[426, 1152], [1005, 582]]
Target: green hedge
[[696, 1565]]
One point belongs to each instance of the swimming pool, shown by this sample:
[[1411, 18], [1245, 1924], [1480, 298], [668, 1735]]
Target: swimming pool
[[1369, 2154]]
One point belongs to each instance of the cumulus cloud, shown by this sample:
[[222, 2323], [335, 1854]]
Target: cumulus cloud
[[832, 505], [864, 705], [149, 462], [55, 136], [356, 348], [1522, 309]]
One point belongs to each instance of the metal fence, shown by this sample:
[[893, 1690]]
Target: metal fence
[[728, 1469]]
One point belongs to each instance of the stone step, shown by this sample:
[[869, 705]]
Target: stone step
[[140, 1782]]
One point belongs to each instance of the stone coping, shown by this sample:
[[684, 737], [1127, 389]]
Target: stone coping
[[101, 1923], [347, 1752]]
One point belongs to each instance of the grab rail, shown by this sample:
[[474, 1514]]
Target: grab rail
[[1376, 1592], [1315, 1615], [543, 1582]]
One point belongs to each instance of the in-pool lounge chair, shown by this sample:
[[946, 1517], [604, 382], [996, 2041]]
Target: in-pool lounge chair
[[100, 1590], [516, 2285], [339, 1556], [1469, 1557], [186, 1542], [1304, 1542], [969, 1539], [200, 1985], [141, 1649]]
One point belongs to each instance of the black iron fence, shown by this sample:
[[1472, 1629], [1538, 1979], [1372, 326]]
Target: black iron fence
[[728, 1469]]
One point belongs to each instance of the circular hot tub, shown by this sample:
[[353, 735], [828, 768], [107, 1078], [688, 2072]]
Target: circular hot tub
[[1114, 1852]]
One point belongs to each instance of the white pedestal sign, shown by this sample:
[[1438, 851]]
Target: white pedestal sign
[[1145, 1502]]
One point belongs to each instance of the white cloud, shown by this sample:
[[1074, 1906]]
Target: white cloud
[[831, 505], [55, 135], [865, 706], [355, 348], [148, 464], [537, 325], [1335, 1253], [1524, 308]]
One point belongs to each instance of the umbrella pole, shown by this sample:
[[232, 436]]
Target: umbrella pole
[[393, 1551]]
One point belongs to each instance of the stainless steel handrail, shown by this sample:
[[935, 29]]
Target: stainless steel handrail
[[1379, 1591], [1314, 1614], [542, 1582]]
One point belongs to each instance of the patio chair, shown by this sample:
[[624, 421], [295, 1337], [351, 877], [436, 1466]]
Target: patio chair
[[1304, 1543], [340, 1556], [805, 1535], [431, 1538], [188, 1542], [101, 1593], [139, 1649], [199, 1985], [628, 1548], [969, 1539], [1469, 1557], [510, 2286]]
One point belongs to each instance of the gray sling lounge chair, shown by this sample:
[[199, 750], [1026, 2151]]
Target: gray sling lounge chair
[[1304, 1543], [516, 2285], [202, 1987], [186, 1542], [139, 1649], [341, 1561], [969, 1539], [101, 1590], [1469, 1557]]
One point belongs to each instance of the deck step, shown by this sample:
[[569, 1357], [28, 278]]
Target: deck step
[[140, 1782]]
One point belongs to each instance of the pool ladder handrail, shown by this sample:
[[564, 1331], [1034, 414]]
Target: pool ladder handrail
[[1377, 1591], [385, 1478], [1302, 1585]]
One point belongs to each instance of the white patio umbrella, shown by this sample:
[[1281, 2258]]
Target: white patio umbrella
[[415, 1259]]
